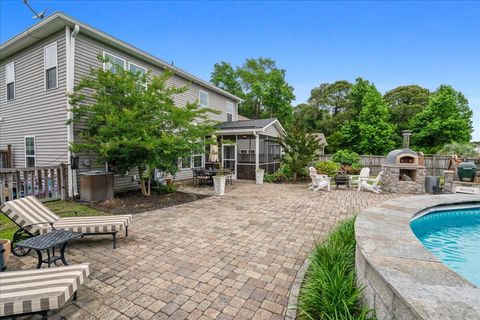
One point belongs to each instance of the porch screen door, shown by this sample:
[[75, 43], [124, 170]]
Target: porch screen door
[[230, 158]]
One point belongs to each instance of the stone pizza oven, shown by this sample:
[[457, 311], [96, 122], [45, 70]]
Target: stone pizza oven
[[402, 172]]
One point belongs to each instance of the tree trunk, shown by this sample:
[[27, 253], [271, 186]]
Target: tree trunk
[[149, 189], [142, 183]]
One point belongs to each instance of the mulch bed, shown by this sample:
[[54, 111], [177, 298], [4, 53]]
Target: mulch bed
[[133, 202]]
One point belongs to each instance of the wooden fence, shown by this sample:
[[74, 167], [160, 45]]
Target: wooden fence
[[6, 157], [45, 183], [434, 164]]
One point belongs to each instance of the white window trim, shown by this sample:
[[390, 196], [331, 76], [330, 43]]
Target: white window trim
[[233, 110], [45, 66], [14, 82], [34, 149], [200, 100], [180, 162], [116, 57], [203, 159], [138, 66]]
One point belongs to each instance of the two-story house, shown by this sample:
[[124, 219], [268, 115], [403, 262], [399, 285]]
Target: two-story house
[[40, 66]]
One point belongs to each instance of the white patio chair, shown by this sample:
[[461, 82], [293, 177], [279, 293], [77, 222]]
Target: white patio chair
[[356, 179], [311, 170], [319, 181], [373, 186]]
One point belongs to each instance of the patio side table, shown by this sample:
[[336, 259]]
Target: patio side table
[[47, 242]]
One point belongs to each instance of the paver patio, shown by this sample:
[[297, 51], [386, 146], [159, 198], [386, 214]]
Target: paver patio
[[230, 257]]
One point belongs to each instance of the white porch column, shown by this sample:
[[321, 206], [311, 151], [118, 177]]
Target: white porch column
[[257, 151], [70, 75]]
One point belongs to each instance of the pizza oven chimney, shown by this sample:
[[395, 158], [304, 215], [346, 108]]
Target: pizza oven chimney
[[406, 138]]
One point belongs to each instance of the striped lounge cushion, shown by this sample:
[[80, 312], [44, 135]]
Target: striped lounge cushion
[[91, 224], [28, 211], [40, 289]]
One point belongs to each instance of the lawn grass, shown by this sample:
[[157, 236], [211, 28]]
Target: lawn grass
[[8, 228], [329, 289]]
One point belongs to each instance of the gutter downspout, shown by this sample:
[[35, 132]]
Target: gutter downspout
[[257, 150], [70, 51]]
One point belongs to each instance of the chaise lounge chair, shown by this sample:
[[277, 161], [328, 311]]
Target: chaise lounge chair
[[373, 187], [29, 292], [32, 216]]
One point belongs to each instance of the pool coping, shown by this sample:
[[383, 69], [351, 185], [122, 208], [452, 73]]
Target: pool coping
[[401, 278]]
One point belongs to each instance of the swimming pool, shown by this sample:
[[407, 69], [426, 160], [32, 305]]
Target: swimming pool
[[453, 236]]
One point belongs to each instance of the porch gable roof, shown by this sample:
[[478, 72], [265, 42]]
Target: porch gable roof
[[251, 125]]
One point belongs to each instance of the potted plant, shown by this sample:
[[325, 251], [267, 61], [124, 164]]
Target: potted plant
[[219, 183], [5, 248], [259, 173]]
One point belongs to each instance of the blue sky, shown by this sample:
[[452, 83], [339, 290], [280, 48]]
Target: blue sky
[[389, 43]]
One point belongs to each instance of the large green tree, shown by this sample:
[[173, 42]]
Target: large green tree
[[326, 110], [225, 77], [261, 85], [310, 116], [368, 129], [447, 118], [348, 135], [131, 120], [331, 96], [405, 102], [376, 131]]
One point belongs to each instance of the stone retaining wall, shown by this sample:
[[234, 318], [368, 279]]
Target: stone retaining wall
[[401, 278]]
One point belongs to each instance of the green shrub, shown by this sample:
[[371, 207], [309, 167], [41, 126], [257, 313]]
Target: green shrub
[[329, 289], [460, 149], [329, 168], [166, 188], [299, 149], [284, 173], [345, 157], [267, 177]]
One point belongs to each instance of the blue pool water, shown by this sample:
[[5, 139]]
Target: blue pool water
[[454, 237]]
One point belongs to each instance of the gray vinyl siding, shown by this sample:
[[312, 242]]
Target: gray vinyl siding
[[272, 131], [86, 52], [35, 111]]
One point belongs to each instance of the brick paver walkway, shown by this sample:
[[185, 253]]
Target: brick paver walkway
[[230, 257]]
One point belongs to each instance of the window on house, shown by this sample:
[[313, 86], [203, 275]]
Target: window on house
[[229, 111], [10, 80], [186, 162], [203, 97], [50, 60], [30, 160], [134, 68], [197, 160], [113, 62]]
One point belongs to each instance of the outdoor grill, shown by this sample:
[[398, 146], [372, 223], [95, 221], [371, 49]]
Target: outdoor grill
[[466, 171]]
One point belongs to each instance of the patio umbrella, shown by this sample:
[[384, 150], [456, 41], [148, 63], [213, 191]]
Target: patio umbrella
[[213, 156]]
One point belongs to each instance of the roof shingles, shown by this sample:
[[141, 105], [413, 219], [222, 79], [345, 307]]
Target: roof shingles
[[245, 124]]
